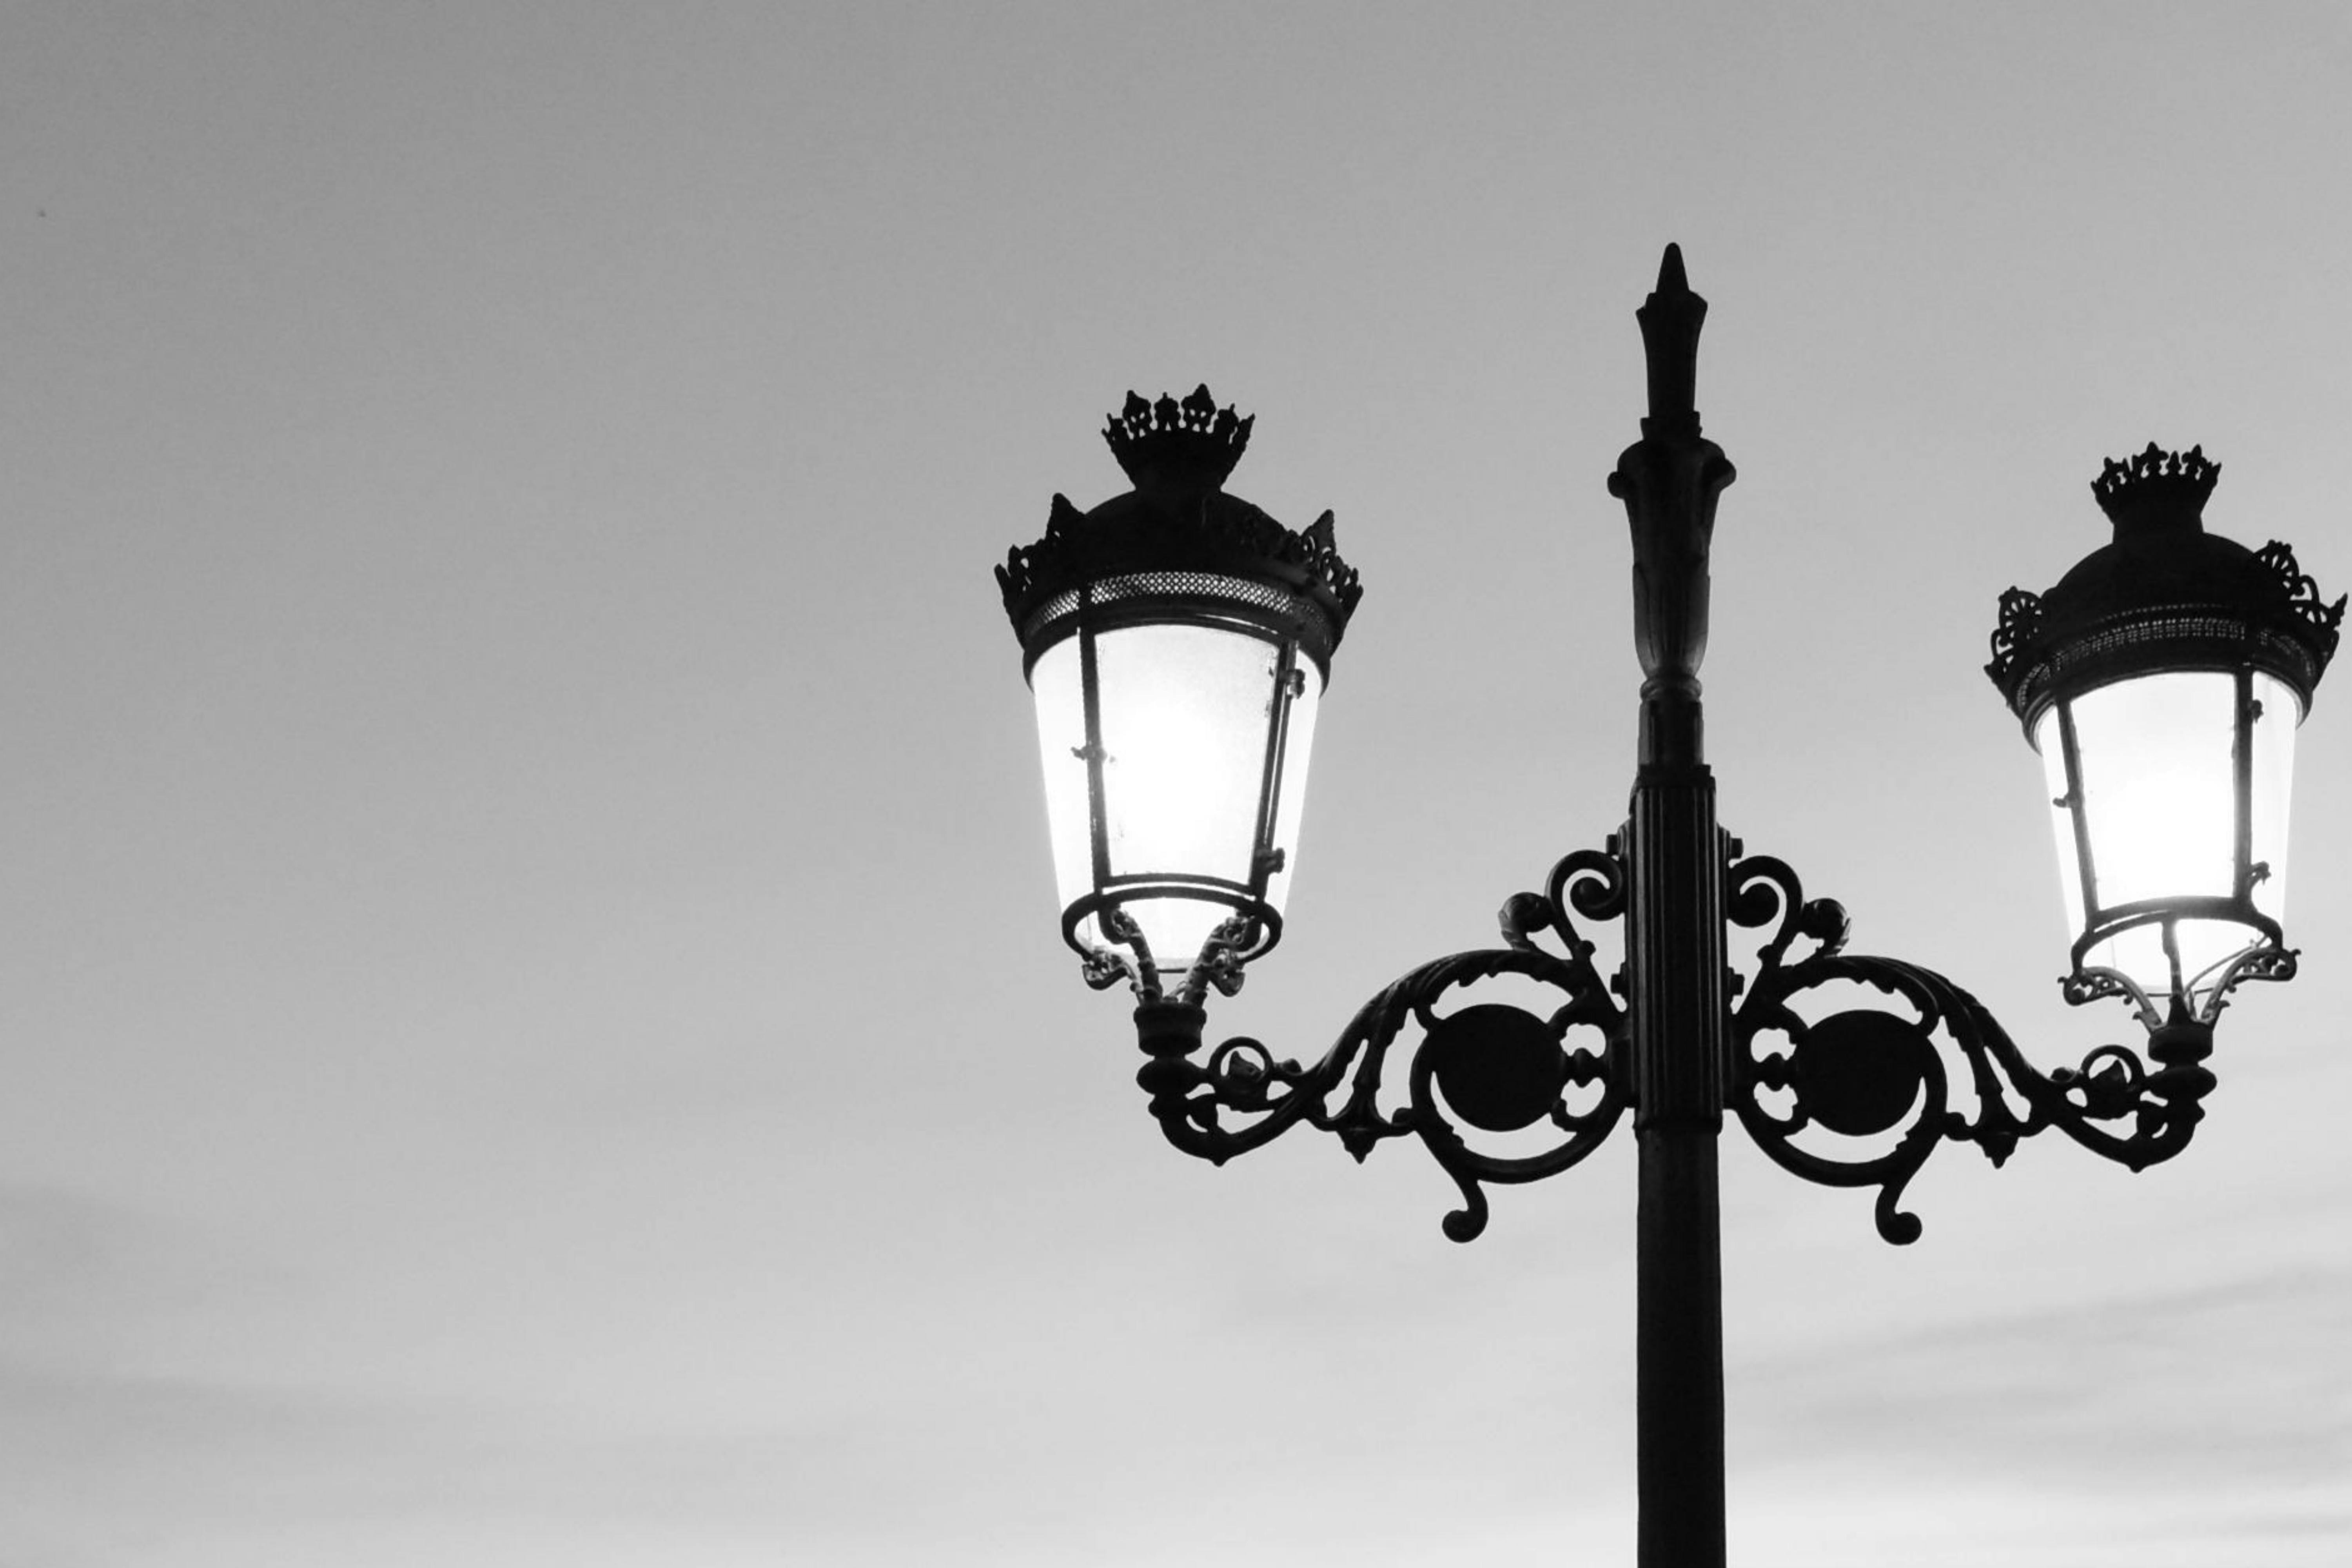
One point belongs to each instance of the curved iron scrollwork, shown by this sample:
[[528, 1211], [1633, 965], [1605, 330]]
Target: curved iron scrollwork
[[2262, 961], [1498, 1069], [1869, 1072]]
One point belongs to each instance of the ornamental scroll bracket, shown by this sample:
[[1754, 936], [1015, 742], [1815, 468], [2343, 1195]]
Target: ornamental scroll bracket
[[1856, 1096], [1862, 1096], [1479, 1074]]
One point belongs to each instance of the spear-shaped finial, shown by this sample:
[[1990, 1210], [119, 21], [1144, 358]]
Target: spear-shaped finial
[[1671, 319], [1672, 278]]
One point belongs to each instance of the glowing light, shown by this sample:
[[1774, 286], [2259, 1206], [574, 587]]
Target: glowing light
[[1187, 712], [2155, 761]]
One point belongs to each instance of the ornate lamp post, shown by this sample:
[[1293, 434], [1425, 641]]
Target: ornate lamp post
[[1178, 641]]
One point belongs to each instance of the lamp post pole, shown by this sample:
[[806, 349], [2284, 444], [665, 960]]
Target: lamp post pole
[[1676, 963]]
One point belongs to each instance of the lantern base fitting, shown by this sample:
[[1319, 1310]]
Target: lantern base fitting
[[1250, 932], [2263, 960], [2179, 1049]]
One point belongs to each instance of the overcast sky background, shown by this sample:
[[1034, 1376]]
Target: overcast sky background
[[531, 1028]]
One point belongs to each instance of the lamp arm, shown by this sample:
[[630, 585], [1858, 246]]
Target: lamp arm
[[1866, 1074], [1193, 1097]]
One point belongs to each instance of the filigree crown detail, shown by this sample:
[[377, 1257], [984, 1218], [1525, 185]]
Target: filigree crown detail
[[2322, 619], [1192, 440], [2185, 477], [2020, 623]]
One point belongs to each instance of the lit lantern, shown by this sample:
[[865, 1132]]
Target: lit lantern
[[2162, 680], [1177, 641]]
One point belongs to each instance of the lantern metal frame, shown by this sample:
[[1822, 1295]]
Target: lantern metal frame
[[1177, 550], [1858, 1097]]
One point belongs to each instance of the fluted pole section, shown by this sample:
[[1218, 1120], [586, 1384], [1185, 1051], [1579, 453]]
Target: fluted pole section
[[1675, 952]]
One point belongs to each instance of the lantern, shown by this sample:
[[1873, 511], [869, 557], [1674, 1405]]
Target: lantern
[[2162, 680], [1177, 641]]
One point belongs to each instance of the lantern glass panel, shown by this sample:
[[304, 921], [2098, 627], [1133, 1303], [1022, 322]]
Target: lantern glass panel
[[1299, 742], [1184, 715], [2155, 755], [1054, 682], [2276, 715], [2048, 741]]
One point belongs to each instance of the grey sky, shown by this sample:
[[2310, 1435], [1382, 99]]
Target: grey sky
[[531, 1030]]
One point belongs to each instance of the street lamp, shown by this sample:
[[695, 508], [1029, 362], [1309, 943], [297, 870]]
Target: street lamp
[[2162, 680], [1178, 640]]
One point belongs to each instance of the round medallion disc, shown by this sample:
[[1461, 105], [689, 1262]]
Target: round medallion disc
[[1499, 1068], [1860, 1072]]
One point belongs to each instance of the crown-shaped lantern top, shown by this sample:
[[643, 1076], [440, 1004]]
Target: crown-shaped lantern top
[[1179, 539], [2157, 491], [1192, 444]]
